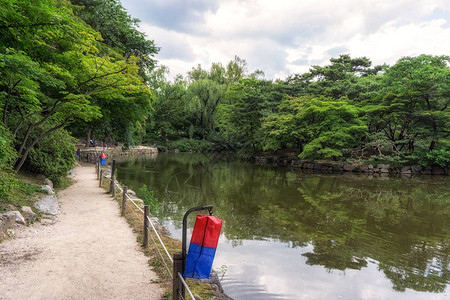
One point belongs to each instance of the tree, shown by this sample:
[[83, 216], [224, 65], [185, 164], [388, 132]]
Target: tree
[[354, 78], [202, 100], [414, 103], [53, 70], [118, 30], [236, 70], [323, 126], [247, 102], [168, 120]]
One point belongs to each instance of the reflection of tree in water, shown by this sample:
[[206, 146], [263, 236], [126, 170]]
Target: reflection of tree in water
[[347, 219], [332, 256], [401, 227]]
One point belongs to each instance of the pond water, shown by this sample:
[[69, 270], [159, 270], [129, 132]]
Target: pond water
[[292, 235]]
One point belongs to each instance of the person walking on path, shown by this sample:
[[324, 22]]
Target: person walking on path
[[88, 252]]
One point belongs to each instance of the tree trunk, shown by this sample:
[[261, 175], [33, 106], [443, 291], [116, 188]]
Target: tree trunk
[[411, 145], [25, 139], [432, 144], [25, 154], [88, 137]]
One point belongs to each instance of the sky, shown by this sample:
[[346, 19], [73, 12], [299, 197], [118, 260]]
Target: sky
[[284, 37]]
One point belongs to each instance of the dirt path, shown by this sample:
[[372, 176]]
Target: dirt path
[[89, 252]]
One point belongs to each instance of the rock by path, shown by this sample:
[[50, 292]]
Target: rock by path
[[88, 252]]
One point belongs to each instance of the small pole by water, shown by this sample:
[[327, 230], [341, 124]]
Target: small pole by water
[[146, 216], [98, 167], [177, 287], [101, 178], [124, 200], [112, 187]]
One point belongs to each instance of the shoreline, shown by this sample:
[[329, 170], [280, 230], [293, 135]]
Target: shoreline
[[361, 167]]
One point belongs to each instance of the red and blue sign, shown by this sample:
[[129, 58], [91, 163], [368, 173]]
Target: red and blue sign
[[103, 159], [203, 247]]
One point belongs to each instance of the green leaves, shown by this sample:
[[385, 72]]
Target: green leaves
[[56, 69], [414, 103], [325, 127]]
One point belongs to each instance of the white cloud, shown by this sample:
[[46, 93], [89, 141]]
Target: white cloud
[[283, 37], [391, 43]]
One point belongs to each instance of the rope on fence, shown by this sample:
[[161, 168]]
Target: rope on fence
[[131, 200], [185, 285], [160, 254], [135, 213], [159, 238]]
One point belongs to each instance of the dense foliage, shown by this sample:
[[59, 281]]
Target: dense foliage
[[75, 65], [347, 110]]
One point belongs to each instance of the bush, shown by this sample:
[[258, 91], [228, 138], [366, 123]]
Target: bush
[[15, 191], [434, 157], [8, 183], [148, 197], [186, 145], [7, 153], [53, 156]]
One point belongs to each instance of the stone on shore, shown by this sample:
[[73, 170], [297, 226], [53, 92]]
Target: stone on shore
[[48, 189], [48, 182], [349, 167], [48, 205], [17, 216], [28, 214], [406, 170], [6, 222], [71, 174]]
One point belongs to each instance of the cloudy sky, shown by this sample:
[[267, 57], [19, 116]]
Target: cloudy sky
[[282, 37]]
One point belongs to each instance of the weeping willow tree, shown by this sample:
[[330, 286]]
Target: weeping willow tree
[[202, 100]]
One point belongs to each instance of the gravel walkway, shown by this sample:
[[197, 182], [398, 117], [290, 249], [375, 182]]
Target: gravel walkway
[[88, 252]]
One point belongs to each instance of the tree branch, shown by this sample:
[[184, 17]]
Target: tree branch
[[25, 154]]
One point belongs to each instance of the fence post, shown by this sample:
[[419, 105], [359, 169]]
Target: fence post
[[112, 187], [124, 200], [177, 286], [101, 178], [146, 215], [98, 167]]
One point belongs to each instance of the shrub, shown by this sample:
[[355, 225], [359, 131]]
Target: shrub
[[8, 183], [7, 153], [148, 197], [434, 157], [186, 145], [53, 156]]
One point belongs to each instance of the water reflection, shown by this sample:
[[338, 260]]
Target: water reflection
[[289, 235]]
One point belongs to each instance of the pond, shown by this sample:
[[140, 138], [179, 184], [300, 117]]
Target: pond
[[292, 235]]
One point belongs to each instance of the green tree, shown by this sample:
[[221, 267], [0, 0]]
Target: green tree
[[202, 100], [247, 102], [236, 70], [323, 126], [118, 30], [168, 120], [354, 78], [414, 103], [53, 69]]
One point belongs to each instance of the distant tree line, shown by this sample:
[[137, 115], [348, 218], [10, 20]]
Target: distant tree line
[[346, 110]]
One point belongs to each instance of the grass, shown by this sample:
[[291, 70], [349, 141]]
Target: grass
[[23, 189], [18, 190], [135, 219]]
